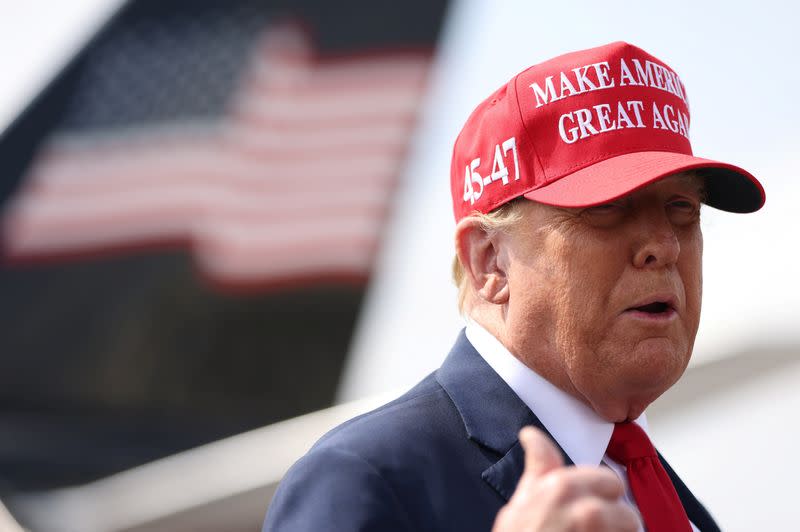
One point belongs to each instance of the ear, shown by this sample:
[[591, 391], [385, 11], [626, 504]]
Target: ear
[[481, 255]]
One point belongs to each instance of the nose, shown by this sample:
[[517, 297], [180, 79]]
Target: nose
[[657, 244]]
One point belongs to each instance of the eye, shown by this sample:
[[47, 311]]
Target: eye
[[683, 211], [606, 208], [605, 215]]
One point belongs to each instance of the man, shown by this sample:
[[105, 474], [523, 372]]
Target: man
[[577, 202]]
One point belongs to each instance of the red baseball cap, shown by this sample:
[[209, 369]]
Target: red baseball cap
[[583, 129]]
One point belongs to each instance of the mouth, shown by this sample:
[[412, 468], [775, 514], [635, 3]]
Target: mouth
[[658, 308]]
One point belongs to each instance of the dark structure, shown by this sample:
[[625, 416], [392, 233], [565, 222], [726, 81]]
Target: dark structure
[[110, 361]]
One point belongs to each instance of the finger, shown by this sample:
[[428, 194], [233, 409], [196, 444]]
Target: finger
[[626, 519], [595, 481], [541, 456], [592, 513]]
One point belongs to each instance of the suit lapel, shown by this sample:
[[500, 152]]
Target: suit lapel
[[492, 413]]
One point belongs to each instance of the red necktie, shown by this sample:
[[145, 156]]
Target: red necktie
[[658, 502]]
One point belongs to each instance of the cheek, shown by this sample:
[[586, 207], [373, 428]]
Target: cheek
[[563, 294], [587, 278], [700, 263], [691, 269], [541, 289]]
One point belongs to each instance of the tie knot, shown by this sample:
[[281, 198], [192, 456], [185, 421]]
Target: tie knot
[[629, 442]]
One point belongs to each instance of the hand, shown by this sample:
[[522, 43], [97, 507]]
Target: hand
[[551, 497]]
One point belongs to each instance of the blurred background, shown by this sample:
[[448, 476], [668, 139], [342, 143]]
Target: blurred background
[[226, 227]]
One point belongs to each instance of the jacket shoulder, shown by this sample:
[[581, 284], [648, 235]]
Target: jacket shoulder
[[414, 413], [335, 489], [356, 476]]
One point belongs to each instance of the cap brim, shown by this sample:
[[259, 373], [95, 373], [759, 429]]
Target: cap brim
[[728, 187]]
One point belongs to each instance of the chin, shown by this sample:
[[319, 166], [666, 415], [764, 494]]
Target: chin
[[655, 368], [620, 388], [628, 395], [617, 410]]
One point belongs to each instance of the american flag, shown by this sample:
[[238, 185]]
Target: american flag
[[290, 181]]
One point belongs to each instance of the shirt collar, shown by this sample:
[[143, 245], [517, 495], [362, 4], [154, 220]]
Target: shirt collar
[[582, 433]]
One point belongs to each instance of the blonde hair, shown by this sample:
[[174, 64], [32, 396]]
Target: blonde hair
[[500, 219]]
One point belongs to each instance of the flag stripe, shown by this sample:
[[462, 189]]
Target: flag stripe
[[295, 181], [247, 175]]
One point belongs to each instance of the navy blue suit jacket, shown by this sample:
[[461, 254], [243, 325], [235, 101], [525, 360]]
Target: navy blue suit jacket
[[444, 456]]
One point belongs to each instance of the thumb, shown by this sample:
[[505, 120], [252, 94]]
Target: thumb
[[541, 456]]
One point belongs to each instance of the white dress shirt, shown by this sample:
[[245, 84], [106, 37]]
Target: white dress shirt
[[582, 433]]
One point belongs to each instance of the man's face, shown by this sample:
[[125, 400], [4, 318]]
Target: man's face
[[605, 301]]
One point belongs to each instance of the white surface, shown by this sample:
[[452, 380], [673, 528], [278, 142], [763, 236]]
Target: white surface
[[733, 59], [38, 37], [737, 451], [7, 522]]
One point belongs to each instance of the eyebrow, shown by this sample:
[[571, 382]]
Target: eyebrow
[[697, 179]]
